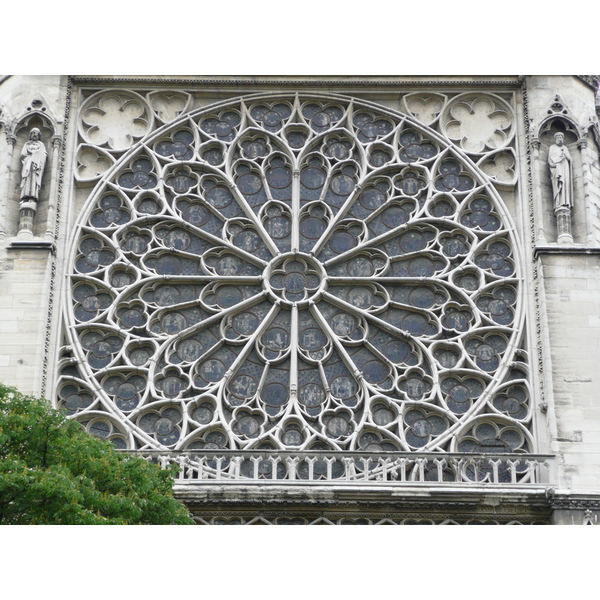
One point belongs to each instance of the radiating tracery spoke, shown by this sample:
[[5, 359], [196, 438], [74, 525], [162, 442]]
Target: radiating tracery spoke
[[258, 280]]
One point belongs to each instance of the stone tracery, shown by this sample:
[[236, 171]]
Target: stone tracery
[[304, 273]]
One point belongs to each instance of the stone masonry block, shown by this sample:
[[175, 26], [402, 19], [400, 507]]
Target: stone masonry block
[[26, 360], [28, 300], [31, 326], [9, 326]]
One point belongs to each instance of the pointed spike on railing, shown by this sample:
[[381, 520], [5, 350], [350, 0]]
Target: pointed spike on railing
[[513, 469], [237, 466], [274, 462], [311, 467], [440, 464], [495, 466], [365, 462], [292, 462], [384, 463], [201, 462], [349, 467], [376, 468], [256, 460], [329, 461], [219, 460], [532, 467], [183, 462]]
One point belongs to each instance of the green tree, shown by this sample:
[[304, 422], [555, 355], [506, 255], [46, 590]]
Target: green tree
[[53, 472]]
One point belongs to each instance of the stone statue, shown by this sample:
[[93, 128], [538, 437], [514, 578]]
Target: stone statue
[[559, 161], [561, 171], [33, 157]]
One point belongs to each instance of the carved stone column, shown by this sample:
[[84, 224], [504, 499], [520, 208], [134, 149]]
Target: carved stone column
[[563, 224], [27, 212], [56, 145], [4, 197], [539, 205], [586, 161]]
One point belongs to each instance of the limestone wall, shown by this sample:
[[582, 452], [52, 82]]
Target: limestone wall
[[568, 295], [572, 325], [26, 272]]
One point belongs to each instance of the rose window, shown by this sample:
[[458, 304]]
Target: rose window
[[297, 273]]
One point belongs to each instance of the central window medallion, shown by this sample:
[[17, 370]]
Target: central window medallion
[[295, 278]]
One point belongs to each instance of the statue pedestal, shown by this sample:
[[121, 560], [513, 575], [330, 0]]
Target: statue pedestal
[[563, 223], [27, 212], [565, 239], [25, 234]]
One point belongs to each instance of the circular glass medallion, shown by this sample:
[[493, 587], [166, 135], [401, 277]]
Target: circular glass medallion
[[295, 278]]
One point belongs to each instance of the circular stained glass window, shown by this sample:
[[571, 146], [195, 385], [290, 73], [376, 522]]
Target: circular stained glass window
[[249, 296]]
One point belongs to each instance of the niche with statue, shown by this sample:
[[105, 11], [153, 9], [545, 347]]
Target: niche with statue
[[34, 144]]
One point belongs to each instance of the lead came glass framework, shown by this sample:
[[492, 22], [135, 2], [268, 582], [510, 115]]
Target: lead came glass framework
[[299, 273]]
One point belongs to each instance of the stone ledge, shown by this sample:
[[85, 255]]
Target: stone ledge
[[565, 500], [566, 250], [302, 492], [458, 505], [316, 80], [32, 245]]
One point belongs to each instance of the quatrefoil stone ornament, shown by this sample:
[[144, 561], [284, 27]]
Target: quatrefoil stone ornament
[[478, 122], [115, 120]]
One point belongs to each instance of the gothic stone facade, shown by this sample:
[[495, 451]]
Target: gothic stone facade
[[341, 300]]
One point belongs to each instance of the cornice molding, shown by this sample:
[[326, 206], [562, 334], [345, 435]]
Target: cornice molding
[[591, 80], [575, 504], [32, 245], [311, 496], [565, 250], [326, 81]]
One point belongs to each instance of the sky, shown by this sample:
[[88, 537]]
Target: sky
[[318, 37]]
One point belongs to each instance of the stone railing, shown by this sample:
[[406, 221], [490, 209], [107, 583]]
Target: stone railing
[[352, 468]]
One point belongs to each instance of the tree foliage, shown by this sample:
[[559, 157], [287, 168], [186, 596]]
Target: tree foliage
[[53, 472]]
